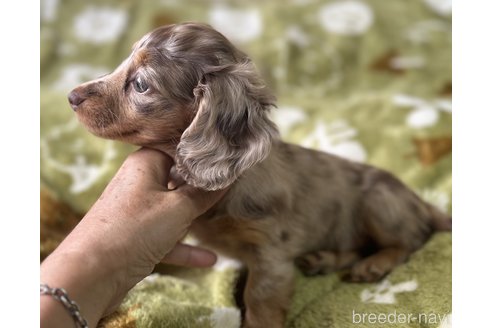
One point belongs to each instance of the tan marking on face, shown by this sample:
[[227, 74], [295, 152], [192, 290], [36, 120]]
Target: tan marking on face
[[114, 110]]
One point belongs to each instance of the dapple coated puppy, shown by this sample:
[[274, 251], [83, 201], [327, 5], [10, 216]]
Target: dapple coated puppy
[[187, 91]]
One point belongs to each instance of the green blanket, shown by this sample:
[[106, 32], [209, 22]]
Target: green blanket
[[369, 80]]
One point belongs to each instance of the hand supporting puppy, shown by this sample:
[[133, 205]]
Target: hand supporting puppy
[[135, 224]]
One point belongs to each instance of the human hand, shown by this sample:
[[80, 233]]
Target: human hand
[[135, 224]]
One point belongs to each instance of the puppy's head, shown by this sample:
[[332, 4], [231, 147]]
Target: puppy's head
[[186, 89]]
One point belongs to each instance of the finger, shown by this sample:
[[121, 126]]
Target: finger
[[187, 255], [153, 163], [175, 180]]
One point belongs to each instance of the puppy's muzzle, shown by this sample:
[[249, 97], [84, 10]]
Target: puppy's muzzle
[[75, 98]]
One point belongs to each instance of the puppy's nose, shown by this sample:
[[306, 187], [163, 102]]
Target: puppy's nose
[[75, 99]]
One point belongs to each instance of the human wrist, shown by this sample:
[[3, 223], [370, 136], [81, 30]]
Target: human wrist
[[53, 314], [88, 283], [60, 295]]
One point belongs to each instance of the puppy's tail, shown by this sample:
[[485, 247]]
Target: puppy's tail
[[440, 221]]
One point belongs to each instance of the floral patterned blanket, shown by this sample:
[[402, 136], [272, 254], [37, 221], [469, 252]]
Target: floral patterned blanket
[[369, 80]]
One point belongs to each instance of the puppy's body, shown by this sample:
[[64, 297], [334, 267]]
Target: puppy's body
[[188, 91], [336, 215], [349, 197]]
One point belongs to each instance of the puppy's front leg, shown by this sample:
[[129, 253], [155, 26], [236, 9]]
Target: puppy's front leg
[[268, 292]]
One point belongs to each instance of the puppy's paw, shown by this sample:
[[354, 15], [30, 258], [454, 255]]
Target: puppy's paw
[[365, 271], [320, 262]]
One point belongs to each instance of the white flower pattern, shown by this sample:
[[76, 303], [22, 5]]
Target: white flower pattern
[[441, 7], [225, 317], [288, 117], [425, 113], [75, 74], [385, 292], [239, 25], [83, 174], [100, 24], [423, 31], [335, 138], [49, 9], [350, 17], [437, 198], [407, 62]]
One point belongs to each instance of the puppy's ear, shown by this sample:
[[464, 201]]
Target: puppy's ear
[[231, 130]]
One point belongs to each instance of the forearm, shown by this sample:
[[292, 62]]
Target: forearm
[[134, 225]]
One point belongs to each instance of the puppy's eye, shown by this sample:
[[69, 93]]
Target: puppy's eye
[[140, 85]]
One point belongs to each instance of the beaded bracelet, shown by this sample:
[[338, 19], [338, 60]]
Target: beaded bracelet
[[61, 295]]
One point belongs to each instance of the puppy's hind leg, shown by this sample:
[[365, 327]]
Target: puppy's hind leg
[[396, 221]]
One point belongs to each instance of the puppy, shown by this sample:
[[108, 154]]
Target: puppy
[[187, 91]]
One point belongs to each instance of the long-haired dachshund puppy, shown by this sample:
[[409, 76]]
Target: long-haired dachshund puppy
[[187, 91]]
